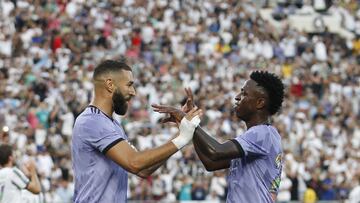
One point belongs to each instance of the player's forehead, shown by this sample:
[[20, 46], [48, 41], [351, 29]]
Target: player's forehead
[[249, 85]]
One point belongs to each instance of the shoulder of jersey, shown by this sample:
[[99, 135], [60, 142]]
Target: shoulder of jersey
[[96, 115], [94, 110]]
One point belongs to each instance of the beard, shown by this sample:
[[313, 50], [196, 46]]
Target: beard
[[120, 105]]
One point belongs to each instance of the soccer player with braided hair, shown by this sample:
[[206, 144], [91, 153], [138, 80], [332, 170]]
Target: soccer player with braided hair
[[254, 159]]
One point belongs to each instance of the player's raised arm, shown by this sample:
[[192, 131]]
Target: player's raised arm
[[213, 155], [209, 150], [213, 149], [209, 164], [135, 161], [34, 183]]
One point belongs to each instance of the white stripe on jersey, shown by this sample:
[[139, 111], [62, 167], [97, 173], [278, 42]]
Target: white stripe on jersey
[[12, 181]]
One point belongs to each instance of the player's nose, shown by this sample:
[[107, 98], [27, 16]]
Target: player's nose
[[132, 92]]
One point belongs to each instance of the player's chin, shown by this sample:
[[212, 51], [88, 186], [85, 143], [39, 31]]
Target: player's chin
[[239, 115], [235, 110], [235, 106]]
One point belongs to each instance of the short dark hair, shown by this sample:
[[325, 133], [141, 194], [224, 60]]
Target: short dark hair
[[109, 66], [5, 153], [273, 86]]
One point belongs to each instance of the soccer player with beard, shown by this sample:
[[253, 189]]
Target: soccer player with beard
[[254, 159], [101, 154]]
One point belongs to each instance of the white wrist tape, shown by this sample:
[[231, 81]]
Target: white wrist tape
[[187, 129]]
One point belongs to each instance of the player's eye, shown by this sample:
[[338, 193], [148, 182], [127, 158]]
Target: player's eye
[[130, 84]]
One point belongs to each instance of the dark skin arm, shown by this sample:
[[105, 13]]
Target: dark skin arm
[[213, 149], [209, 164], [214, 155]]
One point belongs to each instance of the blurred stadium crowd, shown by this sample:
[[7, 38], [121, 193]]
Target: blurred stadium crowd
[[48, 50]]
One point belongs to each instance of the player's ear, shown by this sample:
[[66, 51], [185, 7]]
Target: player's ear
[[260, 103], [109, 85]]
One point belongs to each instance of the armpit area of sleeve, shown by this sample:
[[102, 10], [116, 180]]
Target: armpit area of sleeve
[[239, 147], [106, 149]]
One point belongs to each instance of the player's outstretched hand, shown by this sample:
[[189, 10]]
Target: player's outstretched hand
[[175, 115]]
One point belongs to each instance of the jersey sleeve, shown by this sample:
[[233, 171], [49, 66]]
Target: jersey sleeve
[[19, 179], [102, 136], [254, 143]]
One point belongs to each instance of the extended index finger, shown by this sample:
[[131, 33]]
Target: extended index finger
[[163, 109], [189, 94], [160, 107], [157, 106]]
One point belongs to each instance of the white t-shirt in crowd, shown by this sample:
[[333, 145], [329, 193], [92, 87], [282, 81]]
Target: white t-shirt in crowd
[[320, 51], [12, 181]]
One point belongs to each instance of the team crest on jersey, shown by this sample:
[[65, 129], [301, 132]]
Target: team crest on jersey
[[275, 185], [278, 160]]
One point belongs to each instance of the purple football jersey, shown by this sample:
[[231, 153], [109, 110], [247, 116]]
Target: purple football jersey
[[256, 176], [97, 178]]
